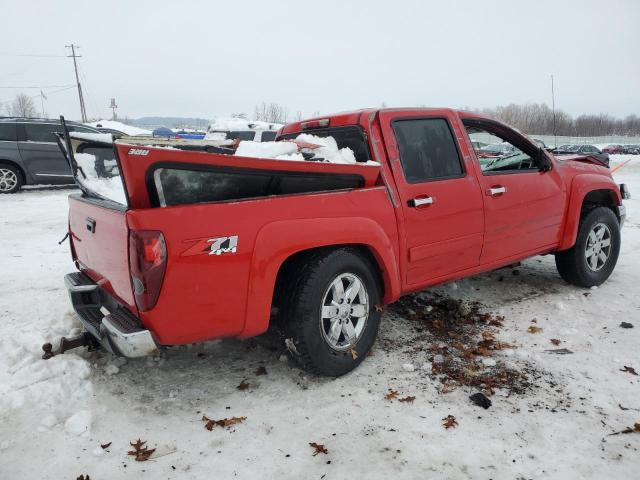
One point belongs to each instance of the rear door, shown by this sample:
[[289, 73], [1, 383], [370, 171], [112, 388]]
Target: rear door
[[40, 153], [441, 199]]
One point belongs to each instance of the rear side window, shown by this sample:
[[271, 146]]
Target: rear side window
[[248, 135], [427, 149], [178, 186], [346, 137], [41, 132], [7, 132], [268, 136]]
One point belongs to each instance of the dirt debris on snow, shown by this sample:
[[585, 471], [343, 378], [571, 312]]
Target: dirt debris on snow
[[460, 341]]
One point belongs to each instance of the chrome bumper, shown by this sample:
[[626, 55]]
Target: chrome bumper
[[104, 318]]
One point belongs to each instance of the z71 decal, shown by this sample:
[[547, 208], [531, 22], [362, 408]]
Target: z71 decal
[[213, 246]]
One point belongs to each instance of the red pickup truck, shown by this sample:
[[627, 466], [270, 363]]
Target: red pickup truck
[[177, 246]]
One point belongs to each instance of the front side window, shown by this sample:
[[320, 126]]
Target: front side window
[[427, 149], [41, 132], [501, 155]]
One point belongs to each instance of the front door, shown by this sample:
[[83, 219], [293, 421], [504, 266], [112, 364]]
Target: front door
[[441, 199], [524, 206]]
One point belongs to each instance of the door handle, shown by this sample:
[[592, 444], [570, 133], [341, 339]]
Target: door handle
[[420, 201], [91, 224], [494, 191]]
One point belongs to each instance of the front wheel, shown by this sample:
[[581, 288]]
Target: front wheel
[[332, 315], [595, 254]]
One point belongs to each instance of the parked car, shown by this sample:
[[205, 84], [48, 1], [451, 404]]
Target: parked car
[[202, 245], [255, 135], [112, 131], [632, 149], [189, 134], [29, 154], [496, 150], [590, 150], [613, 149], [163, 132]]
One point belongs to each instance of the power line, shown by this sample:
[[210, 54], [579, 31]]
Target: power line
[[37, 86], [30, 55]]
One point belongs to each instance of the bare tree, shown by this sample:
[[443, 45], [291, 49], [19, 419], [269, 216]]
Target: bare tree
[[271, 112], [239, 115], [23, 106]]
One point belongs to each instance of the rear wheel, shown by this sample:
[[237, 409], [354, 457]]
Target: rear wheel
[[331, 316], [595, 254], [10, 179]]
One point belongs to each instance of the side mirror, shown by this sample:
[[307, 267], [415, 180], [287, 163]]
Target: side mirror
[[542, 160]]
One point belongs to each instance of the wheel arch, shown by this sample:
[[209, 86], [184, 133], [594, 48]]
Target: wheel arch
[[277, 254], [587, 191]]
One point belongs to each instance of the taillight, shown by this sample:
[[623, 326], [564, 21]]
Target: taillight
[[147, 264]]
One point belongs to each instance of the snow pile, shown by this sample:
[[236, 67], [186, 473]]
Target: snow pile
[[92, 137], [108, 187], [227, 124], [121, 127], [279, 150], [328, 150]]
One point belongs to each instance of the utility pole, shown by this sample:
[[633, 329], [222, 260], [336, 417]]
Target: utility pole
[[43, 97], [83, 111], [553, 107]]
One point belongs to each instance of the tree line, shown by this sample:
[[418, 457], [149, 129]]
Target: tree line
[[531, 118], [538, 118]]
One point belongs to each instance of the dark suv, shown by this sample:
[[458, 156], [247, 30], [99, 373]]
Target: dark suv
[[29, 154]]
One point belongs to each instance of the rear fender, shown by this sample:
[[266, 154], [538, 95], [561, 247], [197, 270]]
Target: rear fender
[[278, 241], [581, 185]]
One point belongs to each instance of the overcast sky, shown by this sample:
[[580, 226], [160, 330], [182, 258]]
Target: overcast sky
[[210, 58]]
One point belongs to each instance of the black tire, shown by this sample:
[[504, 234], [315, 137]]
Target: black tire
[[10, 178], [302, 329], [573, 265]]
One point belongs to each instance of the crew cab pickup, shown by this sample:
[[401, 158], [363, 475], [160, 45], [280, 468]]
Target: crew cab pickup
[[179, 246]]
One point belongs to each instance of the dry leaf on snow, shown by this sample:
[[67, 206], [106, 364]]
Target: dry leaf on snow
[[449, 422], [319, 448], [534, 329], [630, 370], [105, 445], [243, 385], [353, 353], [391, 395], [140, 452], [555, 341], [260, 371], [407, 399], [224, 423]]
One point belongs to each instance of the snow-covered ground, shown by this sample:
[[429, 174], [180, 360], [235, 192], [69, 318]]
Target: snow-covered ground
[[55, 414]]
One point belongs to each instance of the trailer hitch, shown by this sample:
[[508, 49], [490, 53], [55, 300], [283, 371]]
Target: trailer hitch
[[85, 339]]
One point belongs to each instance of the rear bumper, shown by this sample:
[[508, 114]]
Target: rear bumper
[[110, 323]]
